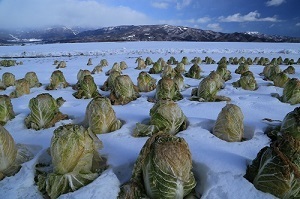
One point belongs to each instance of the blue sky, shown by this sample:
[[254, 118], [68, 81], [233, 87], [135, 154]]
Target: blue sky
[[280, 17]]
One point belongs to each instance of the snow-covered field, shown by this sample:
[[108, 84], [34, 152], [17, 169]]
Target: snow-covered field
[[218, 165]]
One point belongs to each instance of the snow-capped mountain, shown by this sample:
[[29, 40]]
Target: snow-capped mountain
[[135, 33]]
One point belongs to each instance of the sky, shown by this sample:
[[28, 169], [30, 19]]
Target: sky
[[274, 17]]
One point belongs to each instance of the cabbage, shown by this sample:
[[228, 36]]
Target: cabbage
[[167, 89], [100, 116], [185, 60], [249, 61], [8, 62], [115, 67], [108, 84], [123, 90], [61, 64], [196, 60], [168, 71], [2, 86], [141, 64], [8, 79], [291, 123], [246, 81], [103, 62], [87, 88], [163, 169], [223, 71], [145, 82], [57, 81], [289, 70], [32, 79], [172, 61], [156, 68], [194, 72], [89, 63], [98, 69], [270, 71], [179, 81], [148, 61], [291, 92], [123, 65], [280, 79], [229, 125], [243, 67], [6, 109], [180, 68], [75, 161], [44, 112], [22, 88], [80, 75]]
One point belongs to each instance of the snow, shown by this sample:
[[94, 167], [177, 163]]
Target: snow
[[219, 166]]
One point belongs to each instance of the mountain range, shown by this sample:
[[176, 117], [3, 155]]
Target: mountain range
[[133, 33]]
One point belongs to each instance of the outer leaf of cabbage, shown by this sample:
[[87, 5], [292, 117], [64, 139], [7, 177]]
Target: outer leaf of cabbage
[[100, 116], [229, 125], [87, 88], [8, 151], [163, 167], [57, 80], [74, 154], [22, 88], [291, 123], [32, 79], [143, 130], [8, 79], [269, 173], [167, 89], [291, 91], [2, 86], [123, 91], [168, 117], [44, 112], [6, 109], [145, 82]]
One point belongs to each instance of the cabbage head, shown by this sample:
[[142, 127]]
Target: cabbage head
[[123, 65], [156, 68], [246, 81], [145, 82], [291, 92], [32, 79], [80, 75], [61, 64], [243, 67], [22, 88], [8, 153], [8, 62], [179, 81], [180, 68], [223, 71], [148, 61], [100, 116], [163, 169], [2, 86], [172, 61], [168, 117], [229, 125], [280, 79], [194, 72], [98, 69], [196, 60], [108, 84], [185, 60], [167, 89], [249, 61], [291, 123], [87, 88], [168, 71], [6, 109], [103, 62], [270, 71], [57, 81], [123, 91], [115, 67], [89, 63], [75, 160], [289, 70], [44, 112], [8, 79], [141, 64]]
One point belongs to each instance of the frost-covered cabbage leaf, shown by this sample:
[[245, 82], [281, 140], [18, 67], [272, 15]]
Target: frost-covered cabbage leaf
[[280, 79], [44, 112], [194, 72], [57, 81], [87, 88], [229, 125], [246, 81], [167, 89], [208, 88], [8, 79], [165, 116], [145, 82], [163, 170], [22, 88], [291, 92], [32, 79], [123, 90], [108, 84], [100, 116], [6, 109], [75, 161]]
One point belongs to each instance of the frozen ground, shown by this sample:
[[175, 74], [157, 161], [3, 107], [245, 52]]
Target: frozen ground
[[219, 166]]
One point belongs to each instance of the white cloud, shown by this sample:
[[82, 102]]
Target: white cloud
[[251, 16], [89, 13], [274, 2], [182, 4], [186, 22], [160, 5], [203, 20], [297, 24], [214, 27]]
